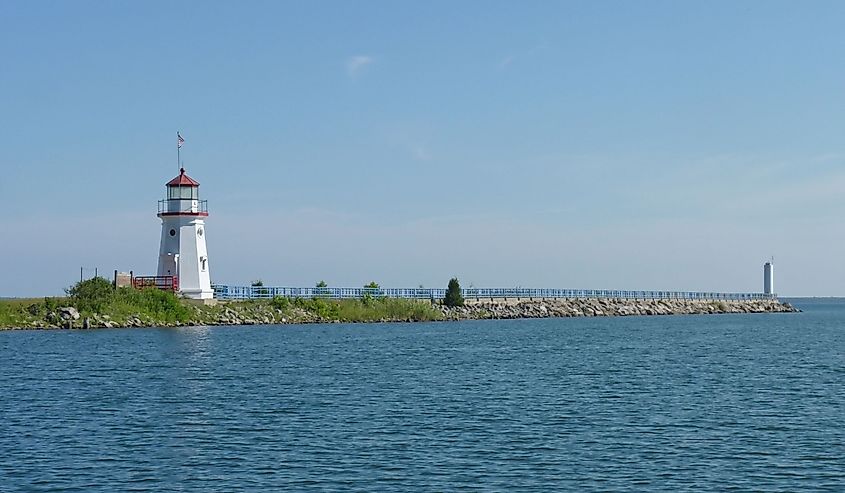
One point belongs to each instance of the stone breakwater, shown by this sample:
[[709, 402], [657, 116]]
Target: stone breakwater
[[476, 310], [248, 313]]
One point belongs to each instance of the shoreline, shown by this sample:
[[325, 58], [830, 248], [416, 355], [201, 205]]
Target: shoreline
[[387, 310]]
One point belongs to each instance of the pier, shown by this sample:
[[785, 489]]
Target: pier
[[228, 292]]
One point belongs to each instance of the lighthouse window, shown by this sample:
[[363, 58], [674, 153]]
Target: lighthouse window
[[172, 232], [182, 193]]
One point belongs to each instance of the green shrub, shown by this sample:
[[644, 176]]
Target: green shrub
[[280, 303], [453, 294], [323, 308], [261, 291], [373, 292], [35, 309], [51, 304], [321, 289], [91, 294]]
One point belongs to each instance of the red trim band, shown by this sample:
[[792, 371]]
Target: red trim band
[[203, 214]]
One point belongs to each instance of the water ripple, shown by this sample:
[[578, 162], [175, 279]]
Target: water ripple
[[728, 403]]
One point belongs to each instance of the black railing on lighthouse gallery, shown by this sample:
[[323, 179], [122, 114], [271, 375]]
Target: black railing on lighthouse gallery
[[182, 206]]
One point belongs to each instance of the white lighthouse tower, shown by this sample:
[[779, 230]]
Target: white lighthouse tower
[[769, 277], [182, 252]]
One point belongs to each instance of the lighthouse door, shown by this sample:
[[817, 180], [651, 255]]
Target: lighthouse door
[[168, 264]]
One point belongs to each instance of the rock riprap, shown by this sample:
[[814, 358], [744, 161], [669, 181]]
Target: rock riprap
[[317, 311], [474, 310]]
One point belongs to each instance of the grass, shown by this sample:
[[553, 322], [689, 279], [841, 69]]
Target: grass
[[97, 298], [367, 309], [370, 309], [15, 312], [146, 304], [154, 307]]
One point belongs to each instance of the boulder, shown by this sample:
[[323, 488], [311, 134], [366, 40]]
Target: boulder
[[69, 313]]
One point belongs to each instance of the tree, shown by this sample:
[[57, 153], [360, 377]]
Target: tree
[[453, 294], [322, 289], [261, 291], [372, 289]]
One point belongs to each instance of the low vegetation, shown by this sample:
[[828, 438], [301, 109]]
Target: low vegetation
[[14, 312], [367, 309], [95, 299], [98, 301]]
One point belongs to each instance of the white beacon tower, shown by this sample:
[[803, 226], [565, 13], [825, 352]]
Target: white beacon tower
[[768, 278], [182, 252]]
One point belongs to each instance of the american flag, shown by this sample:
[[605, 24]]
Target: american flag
[[179, 140]]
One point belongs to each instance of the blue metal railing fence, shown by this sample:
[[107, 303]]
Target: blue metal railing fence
[[226, 292]]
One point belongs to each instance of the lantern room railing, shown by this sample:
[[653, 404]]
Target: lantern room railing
[[182, 206]]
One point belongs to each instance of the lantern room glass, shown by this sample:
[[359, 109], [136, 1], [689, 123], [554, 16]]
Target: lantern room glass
[[190, 193]]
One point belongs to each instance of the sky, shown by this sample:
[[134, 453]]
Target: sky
[[588, 145]]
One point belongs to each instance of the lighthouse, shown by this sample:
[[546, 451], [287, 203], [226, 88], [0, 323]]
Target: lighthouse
[[182, 252], [769, 277]]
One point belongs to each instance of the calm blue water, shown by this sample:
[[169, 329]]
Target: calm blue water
[[712, 403]]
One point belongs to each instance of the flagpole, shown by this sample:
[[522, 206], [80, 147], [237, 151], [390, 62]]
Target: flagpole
[[178, 147]]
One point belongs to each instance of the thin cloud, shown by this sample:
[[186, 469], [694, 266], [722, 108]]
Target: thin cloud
[[509, 60], [356, 64], [420, 153], [505, 62]]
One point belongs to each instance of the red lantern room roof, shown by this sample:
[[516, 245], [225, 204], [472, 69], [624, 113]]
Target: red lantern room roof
[[183, 180]]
